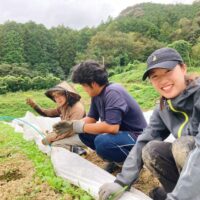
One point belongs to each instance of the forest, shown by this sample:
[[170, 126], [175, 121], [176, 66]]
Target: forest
[[32, 55]]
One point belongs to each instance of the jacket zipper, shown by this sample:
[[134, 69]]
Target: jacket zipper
[[183, 113]]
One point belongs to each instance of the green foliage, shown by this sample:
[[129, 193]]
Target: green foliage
[[42, 163], [184, 48], [13, 84], [129, 24], [12, 46], [119, 49], [133, 35], [67, 46], [196, 54], [16, 70]]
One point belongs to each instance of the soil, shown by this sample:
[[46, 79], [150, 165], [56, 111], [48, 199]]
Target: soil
[[145, 183], [17, 180]]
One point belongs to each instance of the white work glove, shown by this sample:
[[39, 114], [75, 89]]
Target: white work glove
[[111, 191], [67, 126]]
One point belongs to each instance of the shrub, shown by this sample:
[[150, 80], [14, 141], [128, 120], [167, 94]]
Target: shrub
[[13, 84]]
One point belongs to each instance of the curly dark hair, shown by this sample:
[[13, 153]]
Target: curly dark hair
[[88, 72]]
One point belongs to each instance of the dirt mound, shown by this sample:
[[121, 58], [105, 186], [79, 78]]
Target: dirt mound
[[17, 180], [145, 183]]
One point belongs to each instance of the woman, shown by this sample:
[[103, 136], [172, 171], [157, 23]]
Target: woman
[[68, 108], [179, 114]]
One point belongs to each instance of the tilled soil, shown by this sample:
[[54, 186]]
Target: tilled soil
[[145, 183], [17, 181]]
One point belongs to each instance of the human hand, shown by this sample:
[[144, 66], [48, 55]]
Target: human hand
[[68, 126], [49, 138], [63, 127], [52, 137], [30, 102], [110, 191]]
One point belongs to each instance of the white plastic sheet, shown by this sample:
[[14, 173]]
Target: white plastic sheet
[[67, 165]]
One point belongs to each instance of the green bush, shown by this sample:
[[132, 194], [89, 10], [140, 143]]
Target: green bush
[[184, 48], [39, 82], [111, 72], [14, 84], [119, 70], [3, 89]]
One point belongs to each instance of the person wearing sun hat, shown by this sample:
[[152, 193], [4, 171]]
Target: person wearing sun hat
[[176, 165], [114, 120], [68, 107]]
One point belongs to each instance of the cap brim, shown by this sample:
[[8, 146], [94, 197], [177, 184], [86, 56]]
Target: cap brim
[[162, 65], [50, 91]]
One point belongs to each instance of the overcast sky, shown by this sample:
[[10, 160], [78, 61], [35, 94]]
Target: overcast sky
[[73, 13]]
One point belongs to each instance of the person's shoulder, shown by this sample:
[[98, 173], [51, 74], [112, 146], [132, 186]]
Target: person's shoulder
[[78, 105], [114, 87]]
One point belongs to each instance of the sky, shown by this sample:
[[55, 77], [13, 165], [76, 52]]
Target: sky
[[75, 14]]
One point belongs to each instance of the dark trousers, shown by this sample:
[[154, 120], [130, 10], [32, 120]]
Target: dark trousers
[[113, 148], [166, 160]]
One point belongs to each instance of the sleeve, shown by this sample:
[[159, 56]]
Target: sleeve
[[93, 112], [115, 107], [187, 186], [195, 117], [156, 130], [47, 112]]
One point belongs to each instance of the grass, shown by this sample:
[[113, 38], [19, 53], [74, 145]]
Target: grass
[[14, 104], [12, 143]]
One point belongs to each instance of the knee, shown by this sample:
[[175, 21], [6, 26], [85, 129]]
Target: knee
[[183, 144], [181, 149], [102, 144], [150, 152]]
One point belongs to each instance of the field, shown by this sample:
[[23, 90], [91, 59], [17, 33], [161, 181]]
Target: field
[[26, 173]]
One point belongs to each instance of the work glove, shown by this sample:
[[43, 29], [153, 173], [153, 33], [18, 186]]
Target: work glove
[[31, 103], [75, 126], [111, 191], [51, 137]]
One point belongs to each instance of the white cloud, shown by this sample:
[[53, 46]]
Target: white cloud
[[72, 13]]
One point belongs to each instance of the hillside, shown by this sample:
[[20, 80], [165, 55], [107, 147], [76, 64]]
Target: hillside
[[133, 35], [159, 12]]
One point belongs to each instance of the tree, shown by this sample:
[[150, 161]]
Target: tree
[[12, 50], [184, 48], [66, 40], [196, 54]]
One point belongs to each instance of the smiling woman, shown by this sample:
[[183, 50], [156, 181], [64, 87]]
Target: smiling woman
[[174, 164], [169, 83]]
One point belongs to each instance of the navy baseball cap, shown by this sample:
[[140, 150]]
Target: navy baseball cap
[[166, 58]]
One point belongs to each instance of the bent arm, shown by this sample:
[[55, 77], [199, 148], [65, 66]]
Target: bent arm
[[46, 112], [133, 163], [101, 127]]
